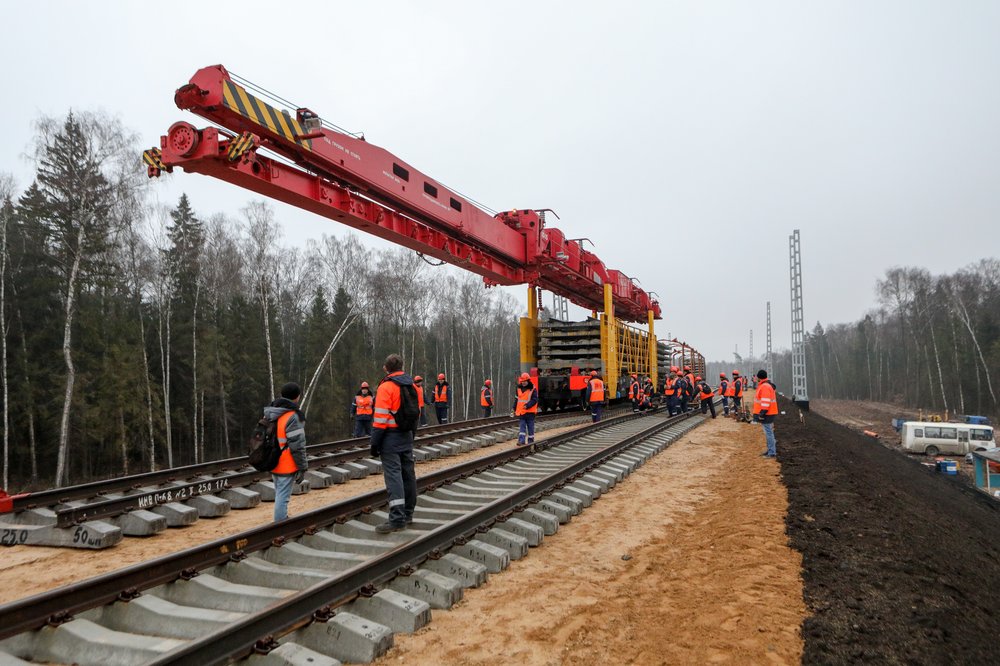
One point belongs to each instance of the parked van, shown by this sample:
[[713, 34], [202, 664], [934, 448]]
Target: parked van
[[946, 438]]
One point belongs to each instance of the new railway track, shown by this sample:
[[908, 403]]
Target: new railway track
[[323, 587], [99, 514]]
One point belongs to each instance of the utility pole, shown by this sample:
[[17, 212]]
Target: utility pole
[[560, 307], [767, 360], [750, 360], [800, 394]]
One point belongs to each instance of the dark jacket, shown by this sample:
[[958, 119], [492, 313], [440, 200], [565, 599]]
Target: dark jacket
[[294, 429]]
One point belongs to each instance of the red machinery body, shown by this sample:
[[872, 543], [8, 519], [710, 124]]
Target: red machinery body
[[349, 180]]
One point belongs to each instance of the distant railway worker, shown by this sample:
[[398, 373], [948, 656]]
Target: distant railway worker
[[738, 384], [291, 434], [670, 390], [442, 398], [725, 392], [595, 396], [486, 398], [684, 392], [648, 389], [689, 376], [392, 441], [705, 394], [765, 407], [418, 384], [363, 410], [634, 392], [525, 410]]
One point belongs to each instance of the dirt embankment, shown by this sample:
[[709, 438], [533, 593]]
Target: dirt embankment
[[685, 562], [900, 565]]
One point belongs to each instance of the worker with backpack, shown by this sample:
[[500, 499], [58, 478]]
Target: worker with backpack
[[397, 413], [278, 445]]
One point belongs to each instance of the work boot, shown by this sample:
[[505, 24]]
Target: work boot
[[387, 527], [409, 520]]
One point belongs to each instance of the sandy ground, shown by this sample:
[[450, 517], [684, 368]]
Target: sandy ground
[[709, 577], [30, 570]]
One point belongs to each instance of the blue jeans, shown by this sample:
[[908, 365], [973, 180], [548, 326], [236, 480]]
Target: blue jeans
[[362, 427], [526, 425], [282, 491], [401, 484], [769, 436]]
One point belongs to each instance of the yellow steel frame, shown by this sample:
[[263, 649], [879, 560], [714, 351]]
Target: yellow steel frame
[[529, 332]]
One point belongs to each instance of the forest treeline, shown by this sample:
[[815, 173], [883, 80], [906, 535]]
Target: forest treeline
[[134, 338], [931, 342]]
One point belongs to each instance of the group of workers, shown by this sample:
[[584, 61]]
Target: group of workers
[[391, 416]]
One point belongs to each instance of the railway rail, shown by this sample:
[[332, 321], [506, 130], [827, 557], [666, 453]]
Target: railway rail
[[99, 514], [324, 587]]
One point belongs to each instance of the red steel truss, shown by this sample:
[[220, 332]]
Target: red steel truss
[[349, 180]]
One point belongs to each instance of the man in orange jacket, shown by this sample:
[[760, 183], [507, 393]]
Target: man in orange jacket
[[595, 396], [291, 434], [486, 398], [394, 446], [765, 407], [525, 410]]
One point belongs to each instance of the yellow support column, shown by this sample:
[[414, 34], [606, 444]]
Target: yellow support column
[[609, 343], [529, 332], [652, 351]]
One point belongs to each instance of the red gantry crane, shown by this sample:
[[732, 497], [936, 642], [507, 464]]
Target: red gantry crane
[[341, 176]]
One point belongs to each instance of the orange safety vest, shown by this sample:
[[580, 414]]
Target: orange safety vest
[[420, 395], [440, 393], [485, 397], [634, 392], [387, 402], [596, 390], [730, 389], [765, 400], [523, 396], [739, 387], [723, 387], [669, 388], [364, 405], [705, 395], [690, 378], [286, 465]]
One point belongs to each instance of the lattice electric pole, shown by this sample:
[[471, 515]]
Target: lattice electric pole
[[800, 394], [767, 361], [750, 369]]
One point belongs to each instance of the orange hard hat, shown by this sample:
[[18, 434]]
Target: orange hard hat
[[418, 379], [722, 375], [633, 374], [673, 368], [441, 376], [488, 382], [698, 378], [736, 372], [525, 377], [687, 367], [364, 384], [593, 373]]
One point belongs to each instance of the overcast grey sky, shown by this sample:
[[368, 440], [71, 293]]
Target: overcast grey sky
[[686, 139]]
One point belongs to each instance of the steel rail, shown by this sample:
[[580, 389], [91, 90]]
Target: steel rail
[[57, 606], [315, 603]]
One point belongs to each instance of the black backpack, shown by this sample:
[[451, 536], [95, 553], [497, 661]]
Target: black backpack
[[407, 417], [263, 451]]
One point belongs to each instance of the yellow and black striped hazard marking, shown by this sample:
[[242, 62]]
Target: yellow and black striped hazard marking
[[154, 162], [240, 145], [262, 113]]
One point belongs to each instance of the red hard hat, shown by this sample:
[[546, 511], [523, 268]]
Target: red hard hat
[[488, 382], [364, 384], [687, 367], [525, 377], [441, 376], [418, 379], [722, 374], [593, 373], [736, 372], [673, 368], [698, 378], [633, 374]]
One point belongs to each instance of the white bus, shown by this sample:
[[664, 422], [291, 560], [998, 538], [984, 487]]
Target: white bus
[[952, 439]]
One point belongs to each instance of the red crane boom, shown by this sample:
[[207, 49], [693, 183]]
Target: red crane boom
[[349, 180]]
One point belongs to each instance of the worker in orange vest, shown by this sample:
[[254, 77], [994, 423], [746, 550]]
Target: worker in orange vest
[[765, 408], [525, 409], [670, 390], [291, 434], [418, 384], [442, 398], [486, 398], [724, 391], [363, 410], [392, 442], [634, 390], [595, 396], [705, 394], [737, 393]]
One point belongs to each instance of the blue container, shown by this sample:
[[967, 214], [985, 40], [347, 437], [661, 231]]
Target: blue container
[[977, 420], [949, 467], [898, 424]]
